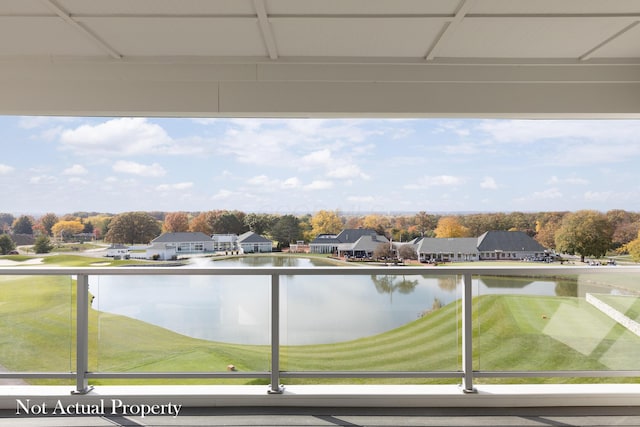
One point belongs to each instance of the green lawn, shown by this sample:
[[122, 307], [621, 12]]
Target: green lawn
[[37, 331], [627, 305]]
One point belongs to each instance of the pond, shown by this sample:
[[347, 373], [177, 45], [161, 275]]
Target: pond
[[314, 309]]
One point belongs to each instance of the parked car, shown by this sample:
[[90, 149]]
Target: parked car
[[14, 252]]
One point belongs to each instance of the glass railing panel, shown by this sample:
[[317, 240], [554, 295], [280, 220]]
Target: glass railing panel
[[553, 323], [376, 323], [180, 323], [37, 325]]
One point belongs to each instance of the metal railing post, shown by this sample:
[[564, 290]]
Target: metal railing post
[[467, 335], [82, 335], [275, 387]]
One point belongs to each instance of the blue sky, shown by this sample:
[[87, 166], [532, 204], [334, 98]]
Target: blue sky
[[62, 165]]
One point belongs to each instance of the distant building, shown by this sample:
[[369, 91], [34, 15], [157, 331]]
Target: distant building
[[118, 250], [251, 242], [492, 245], [352, 242], [225, 242], [504, 245], [172, 245], [430, 249]]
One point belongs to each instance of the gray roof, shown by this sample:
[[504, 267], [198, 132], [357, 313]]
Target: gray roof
[[508, 241], [351, 235], [366, 243], [464, 245], [182, 237], [251, 237], [325, 239]]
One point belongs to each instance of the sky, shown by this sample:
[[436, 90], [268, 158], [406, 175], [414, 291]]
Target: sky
[[121, 164]]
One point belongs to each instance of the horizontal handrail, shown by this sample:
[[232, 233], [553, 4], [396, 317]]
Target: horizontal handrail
[[82, 375], [316, 271]]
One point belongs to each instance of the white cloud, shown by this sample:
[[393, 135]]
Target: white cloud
[[32, 122], [549, 193], [75, 170], [319, 185], [122, 136], [77, 180], [436, 181], [292, 182], [610, 196], [489, 183], [554, 180], [350, 171], [134, 168], [6, 169], [271, 184], [177, 186], [259, 180], [318, 158], [222, 194], [43, 179]]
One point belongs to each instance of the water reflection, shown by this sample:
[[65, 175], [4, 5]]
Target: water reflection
[[315, 309], [388, 284]]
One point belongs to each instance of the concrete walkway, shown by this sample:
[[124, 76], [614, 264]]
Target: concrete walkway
[[350, 417]]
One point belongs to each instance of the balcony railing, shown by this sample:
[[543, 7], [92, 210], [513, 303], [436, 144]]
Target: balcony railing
[[611, 347]]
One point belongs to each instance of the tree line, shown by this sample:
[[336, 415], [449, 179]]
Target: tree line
[[586, 232]]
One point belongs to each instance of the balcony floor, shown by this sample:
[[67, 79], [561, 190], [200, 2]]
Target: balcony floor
[[327, 417], [492, 405]]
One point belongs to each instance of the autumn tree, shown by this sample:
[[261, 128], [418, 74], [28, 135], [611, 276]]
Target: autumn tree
[[633, 247], [585, 232], [425, 222], [176, 222], [450, 226], [23, 225], [66, 229], [201, 223], [47, 222], [379, 223], [547, 225], [626, 226], [133, 227], [326, 222]]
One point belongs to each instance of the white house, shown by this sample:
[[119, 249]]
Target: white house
[[251, 242], [118, 250], [172, 245], [225, 242]]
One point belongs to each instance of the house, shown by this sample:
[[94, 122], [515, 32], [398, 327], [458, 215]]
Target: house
[[509, 245], [363, 247], [251, 242], [172, 245], [430, 249], [118, 250], [492, 245], [356, 242], [324, 244], [225, 242]]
